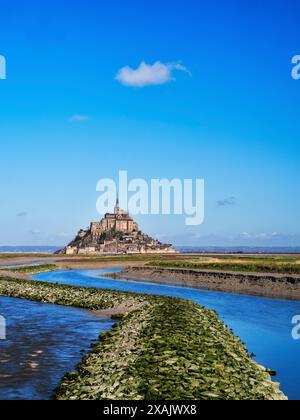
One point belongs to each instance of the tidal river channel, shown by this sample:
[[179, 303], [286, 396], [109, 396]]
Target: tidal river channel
[[45, 341], [265, 325]]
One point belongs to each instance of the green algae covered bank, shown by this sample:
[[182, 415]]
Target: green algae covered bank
[[162, 349]]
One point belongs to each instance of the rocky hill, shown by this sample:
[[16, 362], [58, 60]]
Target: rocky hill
[[116, 233]]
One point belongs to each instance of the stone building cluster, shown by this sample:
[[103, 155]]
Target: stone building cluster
[[119, 221], [116, 233]]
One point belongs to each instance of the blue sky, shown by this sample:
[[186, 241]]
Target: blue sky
[[233, 122]]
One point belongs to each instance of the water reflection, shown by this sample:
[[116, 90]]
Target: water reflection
[[43, 342]]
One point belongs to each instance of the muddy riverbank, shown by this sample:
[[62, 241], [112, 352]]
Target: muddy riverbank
[[277, 286]]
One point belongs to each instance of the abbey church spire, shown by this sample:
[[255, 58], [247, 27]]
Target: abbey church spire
[[117, 206]]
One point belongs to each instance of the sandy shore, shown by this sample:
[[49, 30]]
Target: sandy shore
[[256, 284], [19, 276], [65, 263], [123, 309]]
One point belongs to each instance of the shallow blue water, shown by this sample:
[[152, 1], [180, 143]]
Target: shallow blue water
[[265, 325], [43, 343]]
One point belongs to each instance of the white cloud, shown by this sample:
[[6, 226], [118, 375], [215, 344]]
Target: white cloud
[[160, 236], [261, 236], [147, 74], [35, 232], [79, 118], [62, 235], [245, 235]]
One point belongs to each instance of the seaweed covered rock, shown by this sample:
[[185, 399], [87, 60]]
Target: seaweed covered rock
[[170, 349]]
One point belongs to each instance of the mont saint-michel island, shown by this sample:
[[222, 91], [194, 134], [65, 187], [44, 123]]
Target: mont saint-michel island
[[117, 233]]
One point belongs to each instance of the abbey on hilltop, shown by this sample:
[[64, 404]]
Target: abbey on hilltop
[[116, 233]]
